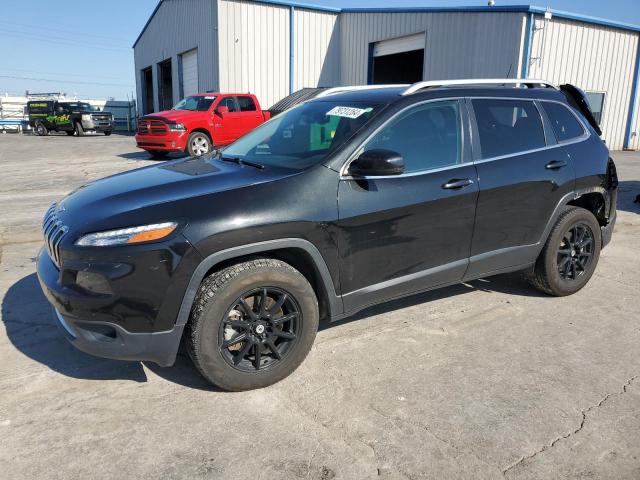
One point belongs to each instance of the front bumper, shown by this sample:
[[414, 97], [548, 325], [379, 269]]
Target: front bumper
[[110, 340], [98, 126], [122, 325], [171, 142]]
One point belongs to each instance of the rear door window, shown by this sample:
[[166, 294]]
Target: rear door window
[[565, 124], [246, 104], [508, 127]]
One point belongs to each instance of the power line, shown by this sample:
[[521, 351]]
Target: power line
[[102, 84], [74, 32], [68, 43], [65, 74], [45, 36]]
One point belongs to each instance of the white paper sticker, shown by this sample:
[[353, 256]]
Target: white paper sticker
[[348, 112]]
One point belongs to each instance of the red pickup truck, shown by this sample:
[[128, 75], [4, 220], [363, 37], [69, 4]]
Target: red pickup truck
[[199, 123]]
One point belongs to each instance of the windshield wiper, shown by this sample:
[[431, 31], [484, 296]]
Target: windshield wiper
[[239, 161]]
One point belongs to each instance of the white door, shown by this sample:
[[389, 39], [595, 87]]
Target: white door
[[190, 72], [400, 44]]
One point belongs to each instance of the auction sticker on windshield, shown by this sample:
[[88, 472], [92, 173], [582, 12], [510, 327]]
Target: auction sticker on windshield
[[348, 112]]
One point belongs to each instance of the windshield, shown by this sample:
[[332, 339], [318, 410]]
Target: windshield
[[302, 136], [87, 107], [195, 104]]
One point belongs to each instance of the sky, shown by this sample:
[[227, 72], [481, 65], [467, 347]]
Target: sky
[[84, 47]]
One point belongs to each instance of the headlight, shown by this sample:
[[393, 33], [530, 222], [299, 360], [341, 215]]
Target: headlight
[[86, 117], [124, 236], [177, 127]]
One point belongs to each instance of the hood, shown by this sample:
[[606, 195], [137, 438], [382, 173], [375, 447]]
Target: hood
[[141, 195], [174, 116]]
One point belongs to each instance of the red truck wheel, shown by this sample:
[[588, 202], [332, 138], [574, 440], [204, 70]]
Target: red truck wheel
[[198, 144]]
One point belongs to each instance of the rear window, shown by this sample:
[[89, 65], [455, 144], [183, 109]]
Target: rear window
[[246, 104], [565, 124], [508, 127]]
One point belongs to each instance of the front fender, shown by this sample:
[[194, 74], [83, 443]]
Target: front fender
[[335, 302]]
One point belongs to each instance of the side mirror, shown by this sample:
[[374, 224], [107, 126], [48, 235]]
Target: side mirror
[[59, 110], [377, 163], [221, 110]]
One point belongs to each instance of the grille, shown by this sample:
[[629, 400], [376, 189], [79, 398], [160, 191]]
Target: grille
[[152, 127], [54, 231], [101, 118]]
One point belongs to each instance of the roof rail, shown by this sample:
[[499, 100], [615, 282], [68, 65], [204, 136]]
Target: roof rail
[[478, 81], [349, 88]]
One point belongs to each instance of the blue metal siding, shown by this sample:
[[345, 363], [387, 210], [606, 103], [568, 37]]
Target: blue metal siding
[[633, 107], [527, 46]]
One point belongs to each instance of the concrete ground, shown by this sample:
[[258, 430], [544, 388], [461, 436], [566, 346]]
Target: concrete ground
[[485, 380]]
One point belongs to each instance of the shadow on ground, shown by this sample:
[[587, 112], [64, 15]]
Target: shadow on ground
[[33, 330], [628, 191], [510, 283], [138, 156]]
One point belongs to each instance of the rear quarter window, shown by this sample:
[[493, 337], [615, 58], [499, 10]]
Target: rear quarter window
[[565, 124]]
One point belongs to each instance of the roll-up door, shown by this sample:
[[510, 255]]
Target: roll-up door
[[190, 72]]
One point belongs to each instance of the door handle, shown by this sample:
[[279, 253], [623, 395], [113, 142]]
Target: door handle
[[457, 183], [555, 164]]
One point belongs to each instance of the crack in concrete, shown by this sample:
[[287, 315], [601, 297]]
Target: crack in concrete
[[584, 414], [444, 441]]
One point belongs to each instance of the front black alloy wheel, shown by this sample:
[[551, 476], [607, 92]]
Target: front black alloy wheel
[[252, 324], [260, 329]]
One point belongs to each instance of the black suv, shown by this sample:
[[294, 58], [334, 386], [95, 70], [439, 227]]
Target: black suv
[[71, 117], [342, 202]]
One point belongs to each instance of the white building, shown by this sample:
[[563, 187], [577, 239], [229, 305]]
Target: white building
[[274, 47]]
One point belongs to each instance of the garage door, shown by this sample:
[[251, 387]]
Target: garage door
[[398, 60], [399, 45], [190, 72]]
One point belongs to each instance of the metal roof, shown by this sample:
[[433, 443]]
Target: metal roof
[[498, 8]]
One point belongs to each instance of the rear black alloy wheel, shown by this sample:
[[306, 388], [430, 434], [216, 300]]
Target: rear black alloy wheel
[[575, 252], [260, 329], [570, 254]]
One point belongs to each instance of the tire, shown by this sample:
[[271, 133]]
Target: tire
[[570, 255], [218, 316], [41, 130], [70, 132], [107, 133], [158, 153], [198, 144], [79, 129]]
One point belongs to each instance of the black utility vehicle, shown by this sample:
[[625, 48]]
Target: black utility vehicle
[[342, 202], [71, 117]]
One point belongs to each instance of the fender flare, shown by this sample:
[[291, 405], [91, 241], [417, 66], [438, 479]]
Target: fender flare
[[335, 302], [564, 201]]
